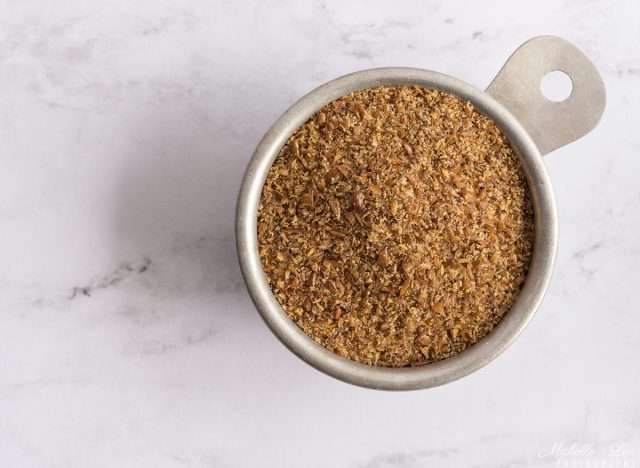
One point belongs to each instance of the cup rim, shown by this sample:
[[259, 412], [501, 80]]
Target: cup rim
[[405, 378]]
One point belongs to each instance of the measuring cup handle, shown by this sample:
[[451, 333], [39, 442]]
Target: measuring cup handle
[[551, 124]]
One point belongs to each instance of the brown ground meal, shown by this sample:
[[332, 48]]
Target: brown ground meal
[[396, 226]]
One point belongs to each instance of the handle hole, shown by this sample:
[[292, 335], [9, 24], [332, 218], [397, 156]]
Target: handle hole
[[556, 86]]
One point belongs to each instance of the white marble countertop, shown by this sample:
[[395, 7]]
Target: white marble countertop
[[127, 338]]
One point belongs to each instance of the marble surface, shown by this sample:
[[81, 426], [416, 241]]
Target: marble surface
[[127, 338]]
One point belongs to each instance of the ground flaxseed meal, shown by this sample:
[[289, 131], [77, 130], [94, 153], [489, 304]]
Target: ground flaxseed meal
[[396, 227]]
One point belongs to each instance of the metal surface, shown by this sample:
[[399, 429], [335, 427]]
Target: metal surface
[[444, 371], [550, 124]]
